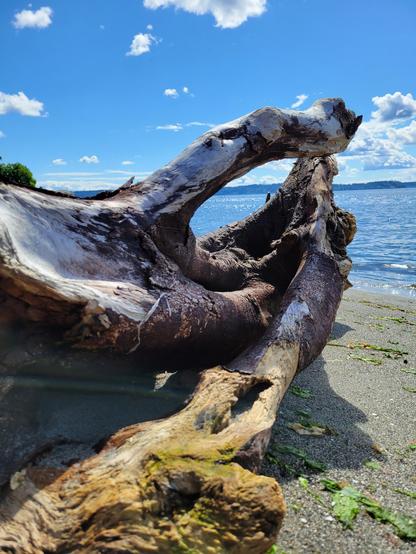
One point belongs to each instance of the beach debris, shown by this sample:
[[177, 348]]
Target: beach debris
[[311, 429], [304, 483], [254, 302], [17, 479], [162, 378], [300, 391], [300, 454], [377, 448], [347, 502], [391, 307], [366, 359], [401, 319], [410, 494], [372, 464], [387, 352]]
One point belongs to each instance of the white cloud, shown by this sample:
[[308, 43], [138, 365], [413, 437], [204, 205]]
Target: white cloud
[[379, 142], [89, 159], [254, 179], [20, 103], [181, 126], [300, 99], [283, 166], [199, 124], [28, 19], [2, 135], [171, 92], [59, 161], [228, 14], [127, 162], [141, 44], [149, 27], [393, 107], [185, 90], [170, 127], [404, 135], [88, 180]]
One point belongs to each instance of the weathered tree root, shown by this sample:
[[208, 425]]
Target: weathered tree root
[[268, 287]]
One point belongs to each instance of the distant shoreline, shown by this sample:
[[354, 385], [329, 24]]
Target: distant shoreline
[[272, 188]]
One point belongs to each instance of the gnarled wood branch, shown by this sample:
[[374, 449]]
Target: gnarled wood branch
[[255, 299]]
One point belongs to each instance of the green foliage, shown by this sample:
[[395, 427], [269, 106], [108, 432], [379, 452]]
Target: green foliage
[[17, 174]]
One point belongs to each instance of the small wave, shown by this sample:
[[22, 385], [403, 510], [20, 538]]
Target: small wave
[[398, 266]]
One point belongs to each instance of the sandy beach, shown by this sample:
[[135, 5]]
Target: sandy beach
[[357, 391], [366, 398]]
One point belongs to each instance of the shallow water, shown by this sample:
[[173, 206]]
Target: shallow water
[[384, 249]]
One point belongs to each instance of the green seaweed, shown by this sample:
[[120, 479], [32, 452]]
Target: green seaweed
[[387, 306], [275, 460], [368, 346], [373, 361], [400, 319], [410, 494], [303, 414], [410, 370], [347, 502], [304, 483], [300, 391], [409, 389], [275, 549], [372, 464], [302, 455]]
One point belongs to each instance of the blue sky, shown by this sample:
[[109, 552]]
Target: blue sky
[[93, 91]]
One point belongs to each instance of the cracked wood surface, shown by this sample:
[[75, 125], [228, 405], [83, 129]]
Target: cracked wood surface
[[255, 301]]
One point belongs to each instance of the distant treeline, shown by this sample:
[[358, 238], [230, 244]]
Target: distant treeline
[[264, 189]]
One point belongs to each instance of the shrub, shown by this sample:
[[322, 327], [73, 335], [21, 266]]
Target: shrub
[[16, 174]]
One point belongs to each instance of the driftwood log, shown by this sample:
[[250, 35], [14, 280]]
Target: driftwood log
[[254, 302]]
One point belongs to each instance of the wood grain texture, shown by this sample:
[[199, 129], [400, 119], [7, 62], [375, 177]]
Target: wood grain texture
[[253, 301]]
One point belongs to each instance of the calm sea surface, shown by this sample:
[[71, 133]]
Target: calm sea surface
[[384, 249]]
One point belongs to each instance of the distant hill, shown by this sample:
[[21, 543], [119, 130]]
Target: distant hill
[[264, 189]]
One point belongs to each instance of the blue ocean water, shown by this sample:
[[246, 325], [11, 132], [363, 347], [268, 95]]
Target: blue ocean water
[[384, 249]]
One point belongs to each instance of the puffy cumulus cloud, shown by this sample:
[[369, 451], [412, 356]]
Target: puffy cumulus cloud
[[171, 92], [392, 107], [228, 14], [28, 19], [59, 161], [379, 142], [300, 99], [21, 104], [141, 44], [89, 160], [375, 152], [404, 135], [2, 135]]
